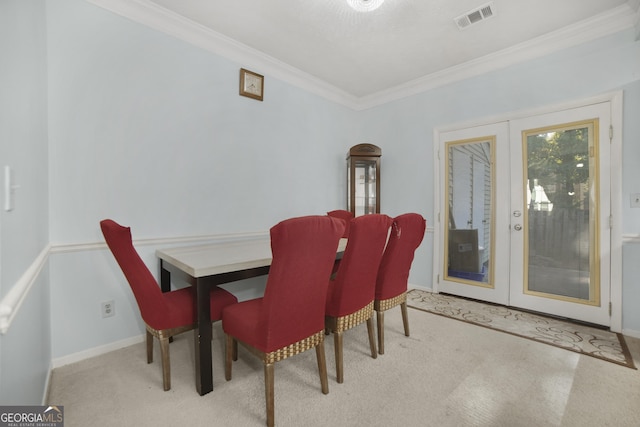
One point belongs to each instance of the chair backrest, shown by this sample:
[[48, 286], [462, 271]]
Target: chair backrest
[[347, 216], [304, 250], [144, 286], [355, 282], [406, 235]]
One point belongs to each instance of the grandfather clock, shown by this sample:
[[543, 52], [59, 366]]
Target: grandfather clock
[[363, 179]]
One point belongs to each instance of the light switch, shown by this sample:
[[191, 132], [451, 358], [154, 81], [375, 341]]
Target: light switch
[[8, 189]]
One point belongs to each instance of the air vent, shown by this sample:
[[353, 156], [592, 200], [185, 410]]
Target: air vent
[[476, 15]]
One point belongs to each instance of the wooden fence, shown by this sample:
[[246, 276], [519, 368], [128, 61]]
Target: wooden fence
[[559, 237]]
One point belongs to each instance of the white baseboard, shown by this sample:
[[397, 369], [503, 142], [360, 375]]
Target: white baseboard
[[421, 288], [631, 333], [96, 351], [45, 394]]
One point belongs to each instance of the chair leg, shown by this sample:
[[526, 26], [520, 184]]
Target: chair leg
[[405, 318], [380, 317], [372, 339], [268, 389], [337, 340], [149, 347], [229, 347], [166, 363], [322, 367]]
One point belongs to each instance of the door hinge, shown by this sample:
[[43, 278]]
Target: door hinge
[[610, 133], [610, 308], [438, 278], [610, 221]]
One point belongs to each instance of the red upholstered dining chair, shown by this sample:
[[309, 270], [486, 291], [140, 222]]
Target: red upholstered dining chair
[[289, 318], [350, 296], [406, 235], [347, 216], [164, 314]]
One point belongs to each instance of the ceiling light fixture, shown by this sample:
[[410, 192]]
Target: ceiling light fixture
[[365, 5]]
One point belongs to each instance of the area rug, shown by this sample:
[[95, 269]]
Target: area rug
[[573, 336]]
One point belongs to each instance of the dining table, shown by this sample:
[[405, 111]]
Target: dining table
[[204, 266]]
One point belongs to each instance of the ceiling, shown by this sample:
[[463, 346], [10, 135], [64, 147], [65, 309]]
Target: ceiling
[[401, 46]]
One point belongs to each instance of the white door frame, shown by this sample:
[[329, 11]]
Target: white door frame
[[593, 307], [496, 289], [615, 98]]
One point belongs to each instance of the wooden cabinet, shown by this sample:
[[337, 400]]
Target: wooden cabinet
[[363, 179]]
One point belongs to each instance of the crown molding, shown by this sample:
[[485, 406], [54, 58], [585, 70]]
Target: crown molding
[[607, 23], [147, 13]]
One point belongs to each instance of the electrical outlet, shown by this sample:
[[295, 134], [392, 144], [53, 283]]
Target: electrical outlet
[[108, 308], [635, 200]]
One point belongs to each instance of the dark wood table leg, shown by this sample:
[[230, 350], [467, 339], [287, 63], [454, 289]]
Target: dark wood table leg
[[165, 278], [165, 282], [202, 338], [203, 331]]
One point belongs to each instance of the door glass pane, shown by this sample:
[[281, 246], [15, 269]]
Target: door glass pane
[[561, 216], [469, 211]]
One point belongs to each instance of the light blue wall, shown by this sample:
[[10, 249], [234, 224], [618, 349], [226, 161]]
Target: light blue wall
[[631, 217], [404, 130], [631, 157], [151, 131], [23, 135], [25, 351]]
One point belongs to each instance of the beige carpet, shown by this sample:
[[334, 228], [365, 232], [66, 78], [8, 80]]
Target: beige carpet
[[573, 336], [447, 373]]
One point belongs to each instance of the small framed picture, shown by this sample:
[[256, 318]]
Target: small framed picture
[[251, 84]]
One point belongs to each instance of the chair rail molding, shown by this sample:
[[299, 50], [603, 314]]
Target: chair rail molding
[[631, 239], [12, 301], [161, 241]]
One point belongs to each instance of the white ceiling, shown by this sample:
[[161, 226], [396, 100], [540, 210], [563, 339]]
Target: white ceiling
[[399, 47]]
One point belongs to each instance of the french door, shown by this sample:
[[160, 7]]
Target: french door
[[525, 213], [475, 261]]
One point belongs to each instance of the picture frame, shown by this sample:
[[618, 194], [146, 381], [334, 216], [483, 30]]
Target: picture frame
[[251, 84]]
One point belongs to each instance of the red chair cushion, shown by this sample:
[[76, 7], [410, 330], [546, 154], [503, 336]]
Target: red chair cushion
[[158, 310], [180, 303]]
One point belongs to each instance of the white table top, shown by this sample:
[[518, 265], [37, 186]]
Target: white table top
[[207, 260]]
